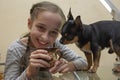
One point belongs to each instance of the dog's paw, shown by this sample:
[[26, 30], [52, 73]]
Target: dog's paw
[[92, 70], [116, 70], [116, 67]]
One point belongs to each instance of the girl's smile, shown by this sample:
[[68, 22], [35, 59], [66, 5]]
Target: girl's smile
[[44, 29], [42, 43]]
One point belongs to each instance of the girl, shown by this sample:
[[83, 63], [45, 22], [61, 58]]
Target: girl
[[24, 60]]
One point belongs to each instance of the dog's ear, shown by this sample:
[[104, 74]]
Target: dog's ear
[[70, 16], [78, 22]]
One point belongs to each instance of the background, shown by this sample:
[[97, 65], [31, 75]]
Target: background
[[14, 15]]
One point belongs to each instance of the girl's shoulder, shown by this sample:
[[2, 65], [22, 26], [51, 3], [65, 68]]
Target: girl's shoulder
[[16, 44]]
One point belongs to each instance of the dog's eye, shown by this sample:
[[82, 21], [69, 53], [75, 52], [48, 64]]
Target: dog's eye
[[65, 34], [70, 37]]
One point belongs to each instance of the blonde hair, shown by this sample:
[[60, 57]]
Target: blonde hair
[[46, 6]]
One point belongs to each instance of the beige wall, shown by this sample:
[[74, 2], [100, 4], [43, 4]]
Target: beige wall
[[14, 14]]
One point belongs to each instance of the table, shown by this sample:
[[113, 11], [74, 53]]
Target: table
[[81, 75], [84, 75], [76, 75]]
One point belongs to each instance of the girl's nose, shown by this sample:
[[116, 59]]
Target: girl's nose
[[45, 35]]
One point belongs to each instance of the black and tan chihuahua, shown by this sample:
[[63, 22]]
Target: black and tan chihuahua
[[92, 38]]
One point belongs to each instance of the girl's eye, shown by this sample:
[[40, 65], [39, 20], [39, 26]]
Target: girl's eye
[[53, 33], [41, 28]]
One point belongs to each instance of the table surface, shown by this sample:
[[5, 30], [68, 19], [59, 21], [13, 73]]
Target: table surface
[[104, 71], [82, 75], [79, 75]]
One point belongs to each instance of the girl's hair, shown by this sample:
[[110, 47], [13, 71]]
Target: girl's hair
[[46, 6], [34, 11]]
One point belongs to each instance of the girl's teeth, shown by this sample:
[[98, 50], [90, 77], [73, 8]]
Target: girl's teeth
[[42, 43]]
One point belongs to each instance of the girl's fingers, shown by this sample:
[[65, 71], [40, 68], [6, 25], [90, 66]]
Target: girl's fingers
[[40, 56], [60, 69], [64, 70], [39, 63], [54, 68], [36, 65], [59, 66], [63, 67], [60, 62], [40, 51]]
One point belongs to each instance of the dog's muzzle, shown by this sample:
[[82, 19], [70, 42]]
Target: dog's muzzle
[[62, 40]]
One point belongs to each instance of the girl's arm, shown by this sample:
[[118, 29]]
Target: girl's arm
[[71, 56]]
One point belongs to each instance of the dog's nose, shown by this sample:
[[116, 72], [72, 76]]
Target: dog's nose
[[61, 41]]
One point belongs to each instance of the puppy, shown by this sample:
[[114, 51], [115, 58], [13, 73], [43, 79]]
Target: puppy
[[92, 38]]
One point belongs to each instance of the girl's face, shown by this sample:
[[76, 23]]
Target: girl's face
[[44, 29]]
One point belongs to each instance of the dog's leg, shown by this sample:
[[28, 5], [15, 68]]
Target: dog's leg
[[111, 50], [96, 60], [117, 63], [89, 59], [88, 54]]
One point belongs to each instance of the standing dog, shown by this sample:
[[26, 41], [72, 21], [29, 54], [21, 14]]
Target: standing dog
[[92, 38]]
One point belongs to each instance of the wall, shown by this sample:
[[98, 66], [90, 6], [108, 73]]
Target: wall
[[14, 14]]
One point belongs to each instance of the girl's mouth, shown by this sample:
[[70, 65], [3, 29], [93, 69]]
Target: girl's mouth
[[41, 43]]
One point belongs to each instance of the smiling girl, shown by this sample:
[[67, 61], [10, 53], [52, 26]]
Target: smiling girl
[[26, 56]]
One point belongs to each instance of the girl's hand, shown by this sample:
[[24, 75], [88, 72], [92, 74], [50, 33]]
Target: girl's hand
[[62, 66], [38, 59]]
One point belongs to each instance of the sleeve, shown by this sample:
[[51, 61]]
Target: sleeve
[[70, 55], [12, 67]]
